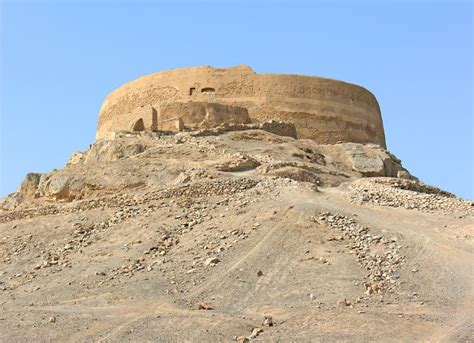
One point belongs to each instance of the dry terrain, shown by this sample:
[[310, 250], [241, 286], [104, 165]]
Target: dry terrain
[[234, 236]]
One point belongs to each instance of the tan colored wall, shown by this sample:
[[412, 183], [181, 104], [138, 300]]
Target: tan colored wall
[[202, 114], [325, 110], [171, 124], [148, 114]]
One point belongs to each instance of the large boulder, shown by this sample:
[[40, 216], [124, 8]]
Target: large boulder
[[107, 150], [369, 160], [29, 186], [62, 186]]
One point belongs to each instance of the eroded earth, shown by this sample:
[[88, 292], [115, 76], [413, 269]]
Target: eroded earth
[[234, 236]]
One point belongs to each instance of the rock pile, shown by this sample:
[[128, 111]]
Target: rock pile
[[239, 162], [377, 254], [279, 128], [198, 189], [407, 194], [291, 170], [148, 160]]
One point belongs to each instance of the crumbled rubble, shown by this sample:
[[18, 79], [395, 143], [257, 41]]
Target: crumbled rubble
[[409, 194], [219, 217], [130, 206], [379, 255], [207, 188], [291, 170], [138, 161], [147, 134], [83, 235], [238, 163], [279, 128], [197, 189]]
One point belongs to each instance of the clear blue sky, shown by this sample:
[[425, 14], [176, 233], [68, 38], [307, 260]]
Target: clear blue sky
[[59, 59]]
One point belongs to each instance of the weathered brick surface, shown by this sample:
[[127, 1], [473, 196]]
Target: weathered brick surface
[[325, 110]]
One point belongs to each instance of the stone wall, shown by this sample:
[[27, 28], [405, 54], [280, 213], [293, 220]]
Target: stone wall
[[325, 110], [149, 116], [202, 114]]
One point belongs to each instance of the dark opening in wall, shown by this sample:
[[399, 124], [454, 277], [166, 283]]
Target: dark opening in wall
[[138, 125], [208, 90], [192, 90]]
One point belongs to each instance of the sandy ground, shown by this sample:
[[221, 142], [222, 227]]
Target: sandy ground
[[138, 267]]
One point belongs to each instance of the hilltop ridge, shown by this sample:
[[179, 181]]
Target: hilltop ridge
[[234, 233]]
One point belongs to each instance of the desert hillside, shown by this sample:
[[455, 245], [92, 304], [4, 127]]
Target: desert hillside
[[234, 234]]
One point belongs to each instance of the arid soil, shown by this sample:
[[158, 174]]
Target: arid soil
[[237, 236]]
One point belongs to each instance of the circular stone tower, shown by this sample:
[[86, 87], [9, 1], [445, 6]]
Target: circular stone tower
[[325, 110]]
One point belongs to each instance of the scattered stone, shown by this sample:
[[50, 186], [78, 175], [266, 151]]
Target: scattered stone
[[200, 201], [212, 261], [343, 303], [204, 306], [378, 255], [408, 194], [268, 321], [255, 332]]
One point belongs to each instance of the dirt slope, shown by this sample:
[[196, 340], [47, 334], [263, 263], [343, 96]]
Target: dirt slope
[[133, 244]]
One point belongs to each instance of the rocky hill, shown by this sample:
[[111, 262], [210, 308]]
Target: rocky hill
[[237, 233]]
